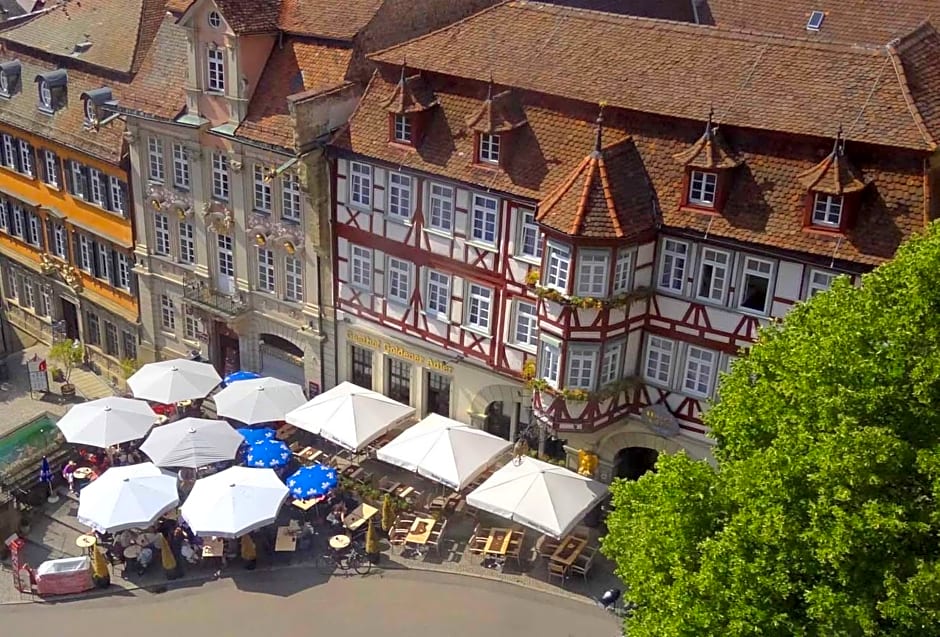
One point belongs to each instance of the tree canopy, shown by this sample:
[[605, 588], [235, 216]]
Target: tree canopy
[[821, 517]]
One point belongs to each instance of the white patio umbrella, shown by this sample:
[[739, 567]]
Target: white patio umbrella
[[234, 502], [350, 415], [107, 421], [540, 495], [259, 400], [129, 497], [192, 442], [174, 381], [444, 450]]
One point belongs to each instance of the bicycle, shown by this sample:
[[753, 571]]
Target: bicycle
[[352, 559]]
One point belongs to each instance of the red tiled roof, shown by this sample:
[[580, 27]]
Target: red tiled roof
[[295, 67], [178, 6], [332, 20], [157, 88], [709, 152], [498, 113], [677, 70], [834, 175], [250, 16], [916, 59], [765, 198], [411, 95]]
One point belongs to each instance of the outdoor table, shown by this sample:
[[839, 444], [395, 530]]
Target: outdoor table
[[83, 473], [306, 505], [85, 542], [131, 552], [388, 487], [420, 531], [498, 542], [359, 516], [214, 547], [405, 492], [340, 542], [568, 551], [286, 540]]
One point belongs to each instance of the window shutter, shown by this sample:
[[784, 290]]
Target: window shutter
[[115, 276], [86, 183], [94, 258], [41, 171], [69, 184]]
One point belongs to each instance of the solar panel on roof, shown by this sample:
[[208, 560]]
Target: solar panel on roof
[[815, 21]]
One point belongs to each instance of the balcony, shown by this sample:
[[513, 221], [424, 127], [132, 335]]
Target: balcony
[[200, 294]]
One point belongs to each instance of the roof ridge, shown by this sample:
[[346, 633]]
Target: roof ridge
[[895, 58], [609, 197]]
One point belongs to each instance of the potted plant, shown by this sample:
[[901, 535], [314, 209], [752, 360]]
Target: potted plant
[[388, 513], [57, 375], [68, 354], [372, 544]]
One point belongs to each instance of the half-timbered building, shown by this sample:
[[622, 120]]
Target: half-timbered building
[[564, 222]]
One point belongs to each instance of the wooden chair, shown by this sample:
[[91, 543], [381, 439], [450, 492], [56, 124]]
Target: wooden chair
[[515, 547], [557, 570], [583, 563], [546, 546], [477, 541], [434, 541]]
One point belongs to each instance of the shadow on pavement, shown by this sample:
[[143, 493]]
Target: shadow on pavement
[[280, 583]]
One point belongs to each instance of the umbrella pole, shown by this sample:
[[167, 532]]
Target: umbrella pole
[[53, 497]]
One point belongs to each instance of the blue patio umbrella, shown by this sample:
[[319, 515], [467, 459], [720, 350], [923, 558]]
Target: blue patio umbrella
[[312, 482], [267, 454], [45, 476], [253, 436], [234, 377]]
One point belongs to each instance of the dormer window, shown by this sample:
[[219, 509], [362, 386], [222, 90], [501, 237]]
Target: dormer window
[[215, 69], [401, 126], [9, 78], [52, 90], [827, 210], [410, 107], [45, 95], [214, 19], [833, 191], [489, 148], [95, 102], [702, 188]]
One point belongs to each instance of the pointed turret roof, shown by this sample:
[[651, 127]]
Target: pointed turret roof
[[498, 113], [710, 151], [835, 174], [411, 95]]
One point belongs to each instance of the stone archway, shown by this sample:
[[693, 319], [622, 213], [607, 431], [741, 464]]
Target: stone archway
[[493, 409], [281, 358], [633, 462], [611, 444]]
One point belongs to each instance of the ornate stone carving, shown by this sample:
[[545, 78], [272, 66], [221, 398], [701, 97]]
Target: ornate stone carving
[[236, 166], [219, 217], [171, 201], [68, 273], [130, 138], [284, 237]]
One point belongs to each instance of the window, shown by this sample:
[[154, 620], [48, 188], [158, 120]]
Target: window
[[290, 197], [225, 255], [489, 148], [399, 196], [187, 242], [78, 185], [623, 271], [123, 279], [5, 214], [479, 306], [9, 152], [755, 284], [91, 112], [438, 398], [45, 95], [558, 264], [819, 281], [92, 329], [483, 219], [167, 313], [362, 367], [26, 158], [29, 294], [713, 275], [192, 327], [104, 261], [402, 129], [214, 19], [582, 366], [702, 187], [699, 371], [129, 342], [45, 301], [265, 270], [527, 324], [610, 363], [294, 279], [672, 265], [659, 353], [442, 207], [220, 176], [96, 188], [216, 70], [593, 268], [111, 339], [155, 159], [361, 267], [59, 242], [399, 381], [18, 227], [12, 289], [438, 303], [827, 210], [180, 167], [530, 237], [262, 190], [549, 363], [399, 281], [86, 260], [117, 194], [161, 224], [360, 185], [51, 170], [34, 230]]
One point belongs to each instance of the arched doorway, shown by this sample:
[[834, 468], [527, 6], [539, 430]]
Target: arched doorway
[[281, 359], [632, 462], [495, 420]]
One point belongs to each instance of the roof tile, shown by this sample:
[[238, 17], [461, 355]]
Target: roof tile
[[834, 175], [709, 152], [158, 87], [498, 113], [411, 95]]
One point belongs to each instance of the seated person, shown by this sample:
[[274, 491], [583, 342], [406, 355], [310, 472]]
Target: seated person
[[337, 515]]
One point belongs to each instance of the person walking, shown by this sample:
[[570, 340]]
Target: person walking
[[68, 472]]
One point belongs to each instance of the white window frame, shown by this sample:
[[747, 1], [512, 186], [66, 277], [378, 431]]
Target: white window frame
[[267, 274], [479, 304], [215, 69], [827, 210], [402, 129], [123, 278], [441, 199], [187, 242], [167, 313], [19, 222], [104, 262], [714, 272], [117, 194], [813, 281], [623, 271], [484, 220], [747, 270], [156, 169], [293, 279], [489, 148], [45, 301], [291, 199], [29, 294], [611, 363], [9, 151], [360, 185], [703, 188], [700, 367], [192, 327], [5, 214], [79, 179], [96, 188], [181, 176], [525, 325], [659, 360], [593, 273], [581, 364], [51, 162], [26, 157], [214, 19], [550, 362], [33, 229], [673, 263], [399, 203], [438, 294], [86, 257], [530, 236], [221, 184], [398, 281], [360, 267], [45, 95], [262, 193], [59, 241], [558, 266], [225, 255], [161, 234]]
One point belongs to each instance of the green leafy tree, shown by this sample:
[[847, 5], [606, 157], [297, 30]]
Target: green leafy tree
[[68, 354], [821, 518]]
